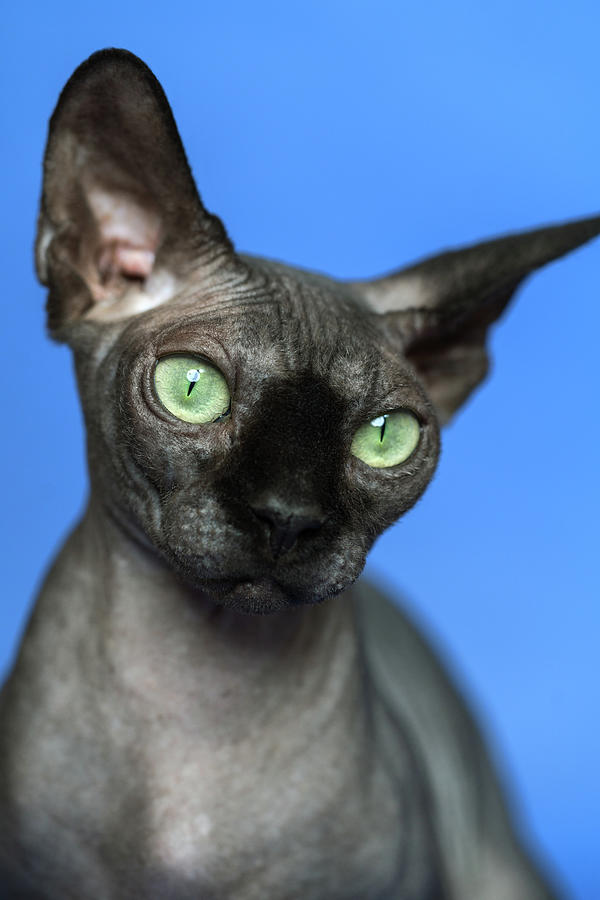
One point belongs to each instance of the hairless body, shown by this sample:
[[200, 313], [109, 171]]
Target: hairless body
[[207, 704]]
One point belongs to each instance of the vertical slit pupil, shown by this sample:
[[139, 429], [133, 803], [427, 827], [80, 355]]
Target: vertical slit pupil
[[192, 376]]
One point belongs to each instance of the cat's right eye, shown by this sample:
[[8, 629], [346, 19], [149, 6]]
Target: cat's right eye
[[191, 388]]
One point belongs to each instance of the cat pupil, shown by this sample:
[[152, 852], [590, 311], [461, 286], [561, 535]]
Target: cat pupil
[[380, 422], [192, 376]]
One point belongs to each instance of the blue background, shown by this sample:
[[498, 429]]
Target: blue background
[[351, 138]]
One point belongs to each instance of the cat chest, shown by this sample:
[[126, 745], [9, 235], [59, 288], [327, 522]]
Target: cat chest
[[308, 831]]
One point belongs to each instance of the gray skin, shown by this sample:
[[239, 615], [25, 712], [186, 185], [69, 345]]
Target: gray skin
[[205, 705]]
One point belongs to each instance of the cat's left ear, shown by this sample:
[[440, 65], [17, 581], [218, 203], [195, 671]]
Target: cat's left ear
[[121, 221], [444, 305]]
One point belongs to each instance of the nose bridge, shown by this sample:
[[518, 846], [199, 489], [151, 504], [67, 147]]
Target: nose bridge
[[294, 445], [289, 450]]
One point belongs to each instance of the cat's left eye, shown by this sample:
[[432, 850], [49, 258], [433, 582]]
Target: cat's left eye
[[191, 388], [387, 440]]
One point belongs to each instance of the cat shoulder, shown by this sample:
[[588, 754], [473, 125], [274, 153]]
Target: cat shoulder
[[474, 828]]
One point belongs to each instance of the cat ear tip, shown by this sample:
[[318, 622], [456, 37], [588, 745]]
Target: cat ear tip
[[590, 224], [109, 60], [113, 55], [596, 223]]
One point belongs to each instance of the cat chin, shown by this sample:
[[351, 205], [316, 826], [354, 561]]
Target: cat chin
[[259, 596]]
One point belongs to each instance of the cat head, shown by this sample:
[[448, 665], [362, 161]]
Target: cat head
[[257, 425]]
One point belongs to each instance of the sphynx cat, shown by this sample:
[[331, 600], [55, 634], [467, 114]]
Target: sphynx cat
[[205, 705]]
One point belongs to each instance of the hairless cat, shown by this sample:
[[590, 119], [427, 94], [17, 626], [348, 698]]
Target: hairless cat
[[205, 705]]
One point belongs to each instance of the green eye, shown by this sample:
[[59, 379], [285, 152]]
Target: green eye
[[387, 440], [191, 388]]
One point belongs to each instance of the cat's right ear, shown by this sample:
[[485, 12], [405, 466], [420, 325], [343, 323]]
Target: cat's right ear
[[121, 220]]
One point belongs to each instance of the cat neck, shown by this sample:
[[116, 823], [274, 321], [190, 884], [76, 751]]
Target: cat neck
[[177, 652]]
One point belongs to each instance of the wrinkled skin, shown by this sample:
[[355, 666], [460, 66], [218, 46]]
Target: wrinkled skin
[[205, 705]]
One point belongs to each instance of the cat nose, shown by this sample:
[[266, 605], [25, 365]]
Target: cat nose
[[286, 523]]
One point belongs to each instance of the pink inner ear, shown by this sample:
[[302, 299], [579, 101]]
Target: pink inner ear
[[128, 234], [119, 258]]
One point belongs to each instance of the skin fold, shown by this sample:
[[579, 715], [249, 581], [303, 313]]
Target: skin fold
[[207, 703]]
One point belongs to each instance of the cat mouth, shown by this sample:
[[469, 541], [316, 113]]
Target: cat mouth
[[262, 594], [258, 595], [255, 586]]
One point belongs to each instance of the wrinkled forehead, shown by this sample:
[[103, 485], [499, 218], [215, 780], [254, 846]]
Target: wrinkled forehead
[[292, 330]]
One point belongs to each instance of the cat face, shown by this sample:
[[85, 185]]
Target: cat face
[[256, 425], [268, 505]]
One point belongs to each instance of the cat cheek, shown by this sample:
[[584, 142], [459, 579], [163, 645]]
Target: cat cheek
[[196, 525]]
